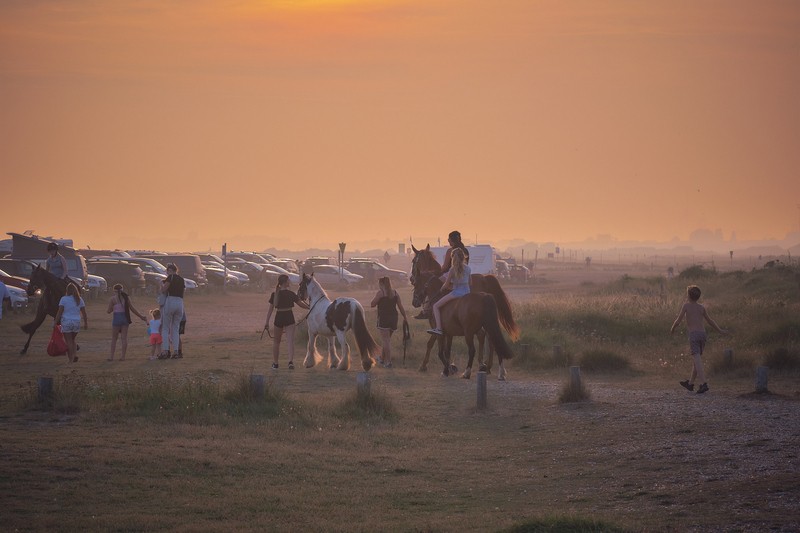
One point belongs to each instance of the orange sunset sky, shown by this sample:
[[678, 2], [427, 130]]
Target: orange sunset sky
[[171, 123]]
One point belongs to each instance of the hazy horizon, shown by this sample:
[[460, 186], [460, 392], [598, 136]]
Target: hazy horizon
[[317, 121]]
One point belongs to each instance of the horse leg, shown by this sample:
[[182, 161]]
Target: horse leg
[[333, 357], [424, 366], [311, 351], [471, 351], [344, 363], [501, 373], [31, 327], [449, 348], [482, 365]]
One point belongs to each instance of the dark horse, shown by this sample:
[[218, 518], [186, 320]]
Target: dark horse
[[425, 273], [53, 289]]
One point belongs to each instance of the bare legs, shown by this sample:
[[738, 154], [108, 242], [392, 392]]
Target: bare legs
[[122, 333], [72, 346], [276, 343], [386, 344]]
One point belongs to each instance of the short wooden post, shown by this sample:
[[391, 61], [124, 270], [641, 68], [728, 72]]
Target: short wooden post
[[482, 391], [575, 377], [257, 385], [727, 357], [761, 379], [45, 389], [363, 383]]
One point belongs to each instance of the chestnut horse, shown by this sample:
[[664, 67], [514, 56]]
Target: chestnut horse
[[425, 273]]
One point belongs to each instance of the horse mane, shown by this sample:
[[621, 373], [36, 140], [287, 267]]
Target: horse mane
[[319, 286], [428, 256]]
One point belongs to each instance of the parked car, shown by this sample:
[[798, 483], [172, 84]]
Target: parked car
[[519, 273], [18, 267], [260, 276], [251, 256], [14, 281], [19, 298], [216, 277], [189, 266], [35, 249], [332, 276], [128, 274], [154, 272], [501, 269], [371, 270], [96, 285], [286, 264], [243, 279], [293, 277]]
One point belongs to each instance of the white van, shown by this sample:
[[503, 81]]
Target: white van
[[481, 257]]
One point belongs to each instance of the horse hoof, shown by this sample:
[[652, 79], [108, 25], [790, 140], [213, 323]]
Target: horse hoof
[[482, 368], [423, 369]]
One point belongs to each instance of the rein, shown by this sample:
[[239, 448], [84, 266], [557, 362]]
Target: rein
[[266, 326]]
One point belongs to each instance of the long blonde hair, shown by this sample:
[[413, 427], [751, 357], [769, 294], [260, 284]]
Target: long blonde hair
[[72, 290], [458, 263]]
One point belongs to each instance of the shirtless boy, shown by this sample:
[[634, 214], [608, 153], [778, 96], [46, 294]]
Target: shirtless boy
[[695, 314]]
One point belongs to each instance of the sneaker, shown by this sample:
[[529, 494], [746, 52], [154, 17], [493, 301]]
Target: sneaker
[[291, 365], [686, 385], [164, 355], [178, 355], [274, 366], [703, 388], [435, 331]]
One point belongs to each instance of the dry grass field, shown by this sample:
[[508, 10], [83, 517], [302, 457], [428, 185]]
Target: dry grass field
[[179, 445]]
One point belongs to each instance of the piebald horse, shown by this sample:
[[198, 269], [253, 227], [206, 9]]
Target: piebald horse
[[425, 270], [332, 319]]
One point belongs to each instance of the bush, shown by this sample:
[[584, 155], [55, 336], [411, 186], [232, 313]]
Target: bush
[[786, 333], [560, 524], [603, 361], [696, 272], [783, 359], [367, 404]]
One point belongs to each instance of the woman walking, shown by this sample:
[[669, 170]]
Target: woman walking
[[171, 312], [120, 304], [71, 308], [388, 302], [283, 300]]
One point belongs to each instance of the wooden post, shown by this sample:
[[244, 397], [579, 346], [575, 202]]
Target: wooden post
[[257, 385], [575, 377], [727, 357], [363, 383], [45, 389], [761, 379], [481, 391]]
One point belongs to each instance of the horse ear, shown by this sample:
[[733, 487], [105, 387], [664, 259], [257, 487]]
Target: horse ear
[[428, 248], [415, 250]]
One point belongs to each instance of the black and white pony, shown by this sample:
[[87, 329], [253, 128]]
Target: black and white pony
[[332, 319]]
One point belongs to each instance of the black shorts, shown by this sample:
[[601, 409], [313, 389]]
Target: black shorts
[[283, 319]]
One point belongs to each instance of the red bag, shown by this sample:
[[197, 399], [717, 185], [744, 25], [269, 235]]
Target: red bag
[[57, 345]]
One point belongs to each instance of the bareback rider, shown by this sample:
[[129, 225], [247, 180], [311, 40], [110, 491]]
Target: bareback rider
[[454, 240]]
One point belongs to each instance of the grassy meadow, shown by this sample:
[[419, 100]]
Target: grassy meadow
[[184, 445]]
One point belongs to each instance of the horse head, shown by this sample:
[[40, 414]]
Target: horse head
[[423, 261], [302, 291], [38, 280], [428, 285]]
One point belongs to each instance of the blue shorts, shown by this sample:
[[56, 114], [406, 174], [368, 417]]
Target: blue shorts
[[70, 326], [697, 342], [119, 320]]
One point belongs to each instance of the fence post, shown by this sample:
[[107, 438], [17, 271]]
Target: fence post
[[45, 385], [761, 379], [575, 377], [363, 384], [257, 385], [727, 357], [482, 391]]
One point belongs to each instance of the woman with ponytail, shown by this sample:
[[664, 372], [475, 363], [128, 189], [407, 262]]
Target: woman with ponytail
[[282, 300], [71, 308], [120, 304], [388, 302]]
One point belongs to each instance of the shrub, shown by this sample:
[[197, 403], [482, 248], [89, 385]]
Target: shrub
[[786, 333], [561, 524], [367, 404], [695, 272], [783, 359], [603, 361]]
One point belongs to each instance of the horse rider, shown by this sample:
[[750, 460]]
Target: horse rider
[[455, 242]]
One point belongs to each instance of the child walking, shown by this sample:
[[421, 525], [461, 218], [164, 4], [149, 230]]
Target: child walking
[[695, 315], [154, 329], [283, 300]]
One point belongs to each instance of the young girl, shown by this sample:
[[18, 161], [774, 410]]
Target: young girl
[[71, 308], [458, 277], [283, 300], [388, 302], [120, 304], [154, 329]]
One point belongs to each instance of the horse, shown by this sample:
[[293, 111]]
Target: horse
[[424, 267], [471, 315], [53, 289], [332, 319]]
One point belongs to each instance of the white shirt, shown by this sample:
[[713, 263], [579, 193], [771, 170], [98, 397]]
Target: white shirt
[[4, 293], [72, 311]]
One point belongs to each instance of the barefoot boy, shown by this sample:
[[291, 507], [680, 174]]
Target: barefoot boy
[[695, 313]]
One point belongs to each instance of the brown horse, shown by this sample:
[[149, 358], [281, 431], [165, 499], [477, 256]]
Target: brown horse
[[52, 289], [425, 273], [474, 314]]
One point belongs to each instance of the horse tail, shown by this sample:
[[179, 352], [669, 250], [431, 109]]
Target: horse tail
[[366, 344], [491, 324], [503, 306]]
